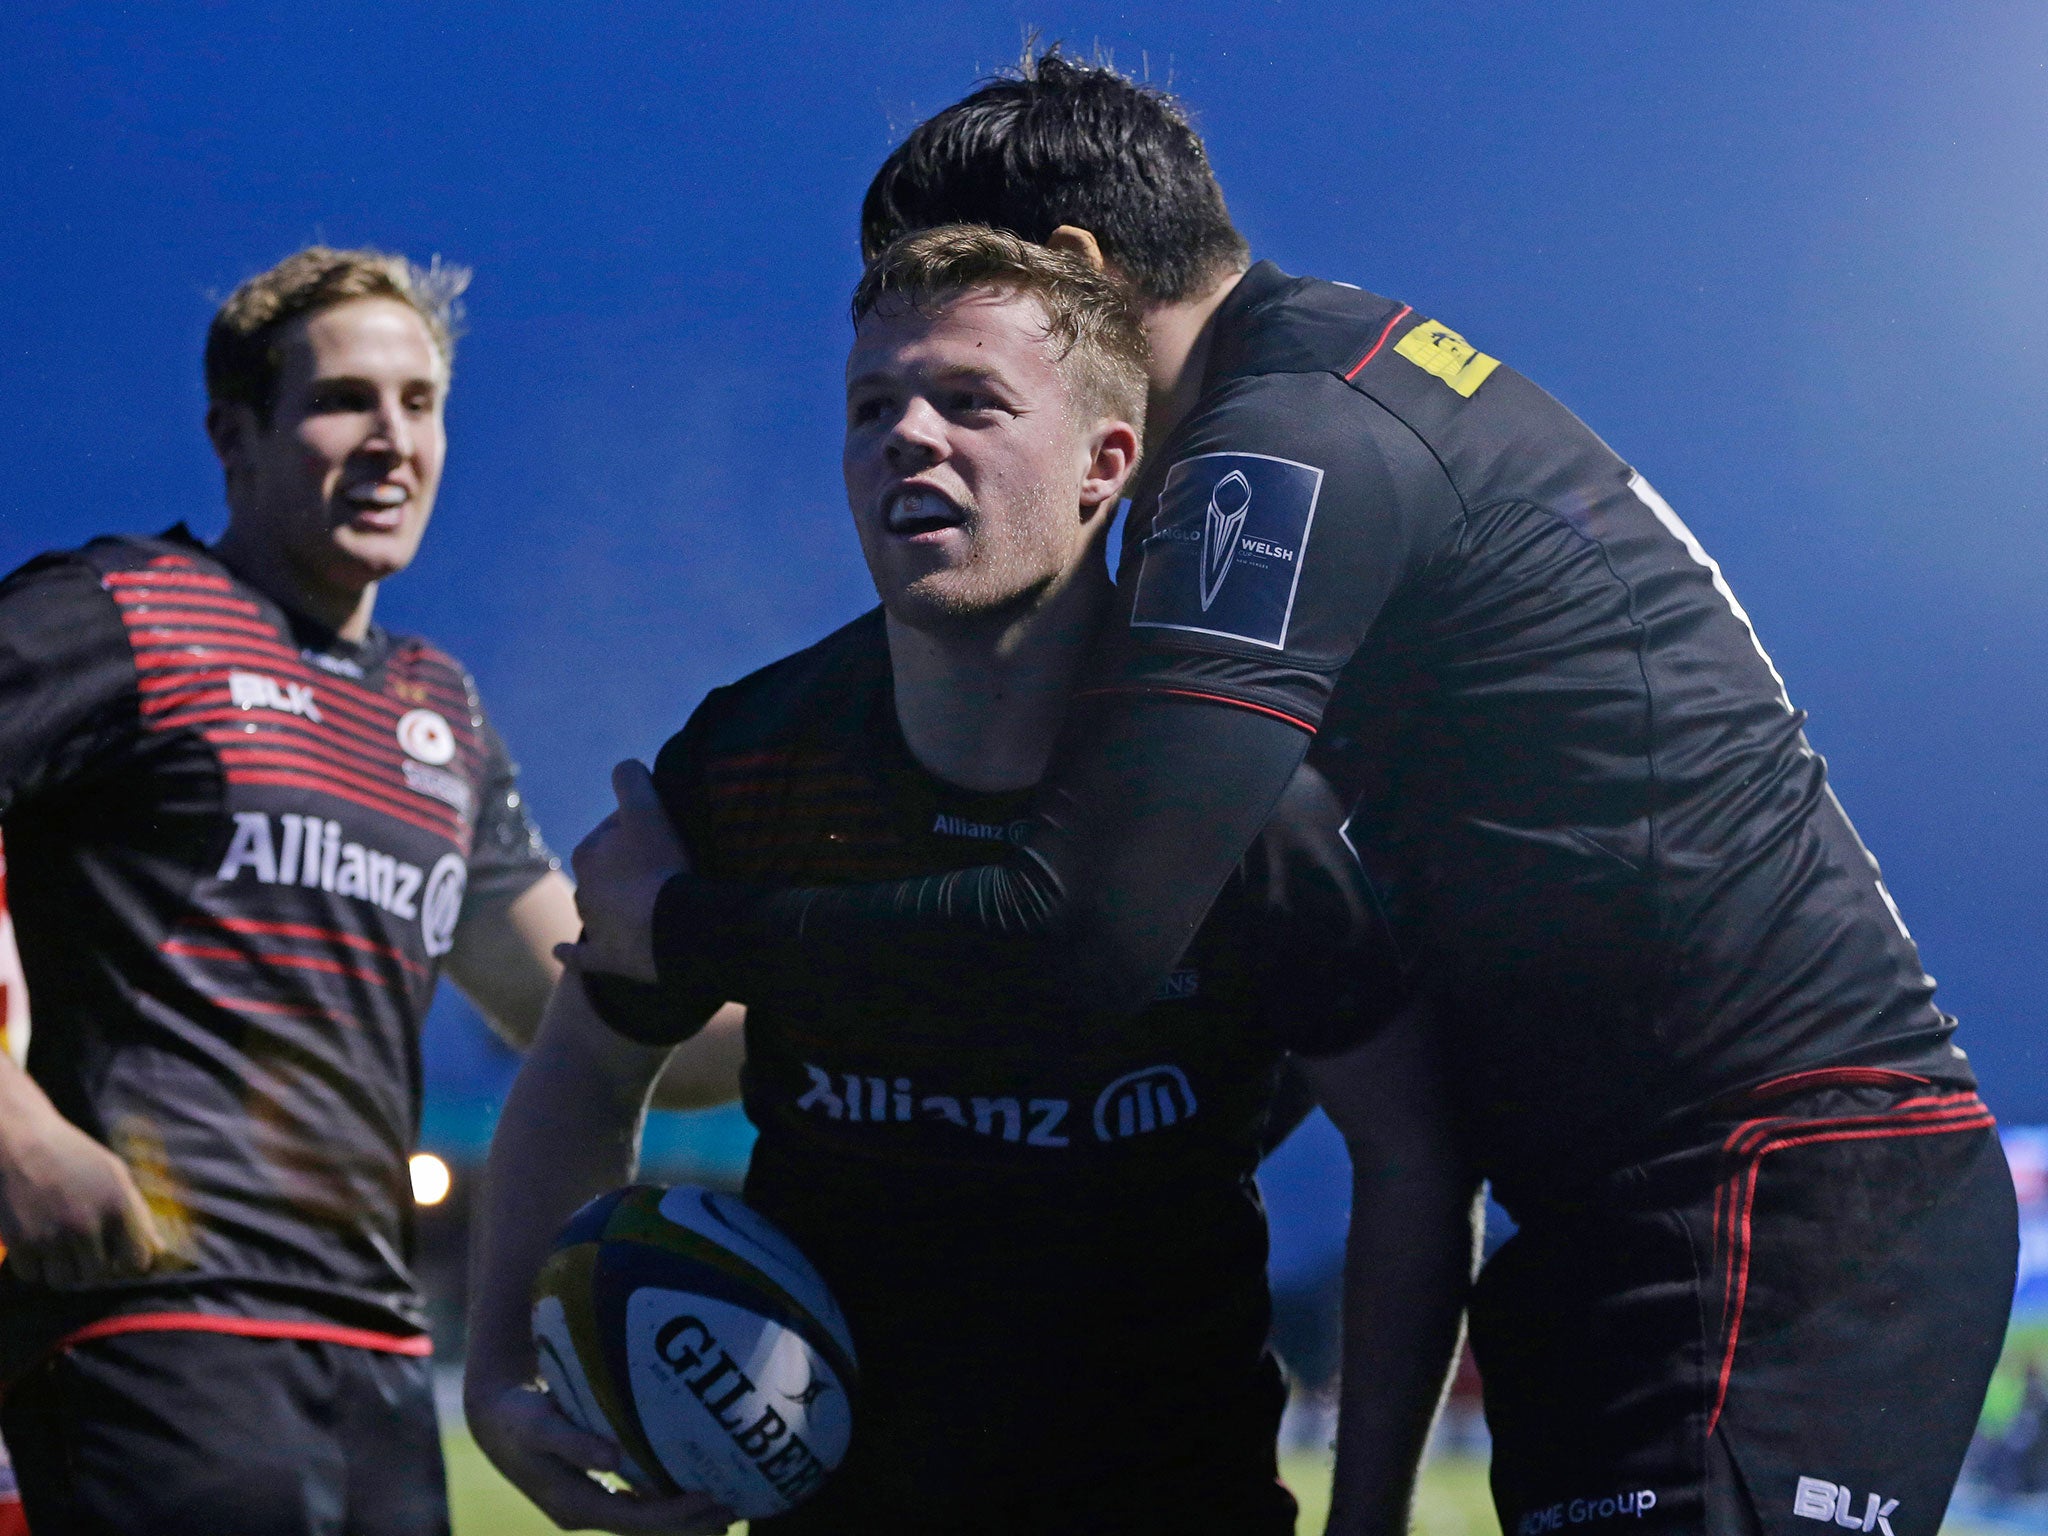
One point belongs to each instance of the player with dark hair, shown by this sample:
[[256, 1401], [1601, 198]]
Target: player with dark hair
[[1051, 1256], [1767, 1236], [245, 828]]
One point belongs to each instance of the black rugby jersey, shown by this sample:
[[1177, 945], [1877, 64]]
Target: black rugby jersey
[[1046, 1240], [1583, 795], [238, 848], [1586, 802]]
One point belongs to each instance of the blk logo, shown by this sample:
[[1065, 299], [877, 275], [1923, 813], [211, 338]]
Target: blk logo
[[253, 690], [1228, 504], [1819, 1499]]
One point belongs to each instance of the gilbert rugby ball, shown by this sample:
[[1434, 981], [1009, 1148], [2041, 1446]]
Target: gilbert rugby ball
[[688, 1330]]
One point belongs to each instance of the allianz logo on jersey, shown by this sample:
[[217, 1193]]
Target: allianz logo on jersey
[[311, 852], [947, 825], [1136, 1104], [253, 690]]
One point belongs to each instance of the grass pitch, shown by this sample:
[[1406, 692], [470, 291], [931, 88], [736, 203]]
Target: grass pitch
[[1452, 1500]]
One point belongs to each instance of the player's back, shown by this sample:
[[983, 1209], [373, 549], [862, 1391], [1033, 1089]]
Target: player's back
[[1582, 792]]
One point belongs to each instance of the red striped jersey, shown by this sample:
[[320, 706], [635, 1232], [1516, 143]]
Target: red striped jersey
[[239, 847]]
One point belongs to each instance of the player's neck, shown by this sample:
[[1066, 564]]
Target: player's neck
[[981, 708], [264, 565], [1179, 335]]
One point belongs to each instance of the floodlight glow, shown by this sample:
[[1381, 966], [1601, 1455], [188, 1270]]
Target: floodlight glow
[[431, 1179]]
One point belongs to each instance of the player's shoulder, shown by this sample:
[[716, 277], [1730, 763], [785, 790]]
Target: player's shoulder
[[1418, 368], [416, 668], [1274, 323], [172, 552], [81, 578], [816, 698]]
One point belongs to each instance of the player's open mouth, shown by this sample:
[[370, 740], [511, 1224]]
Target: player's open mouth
[[916, 509], [379, 504]]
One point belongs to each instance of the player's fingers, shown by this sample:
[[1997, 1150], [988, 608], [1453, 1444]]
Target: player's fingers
[[590, 848], [131, 1240], [634, 786], [550, 1433]]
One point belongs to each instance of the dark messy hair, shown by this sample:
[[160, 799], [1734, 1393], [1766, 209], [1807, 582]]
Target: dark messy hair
[[1089, 317], [1066, 142]]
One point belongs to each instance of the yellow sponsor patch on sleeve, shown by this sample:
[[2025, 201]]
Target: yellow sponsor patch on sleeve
[[1442, 351]]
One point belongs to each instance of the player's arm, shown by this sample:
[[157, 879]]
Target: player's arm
[[1408, 1266], [570, 1132], [70, 1211], [504, 961], [503, 957], [519, 910], [1170, 763]]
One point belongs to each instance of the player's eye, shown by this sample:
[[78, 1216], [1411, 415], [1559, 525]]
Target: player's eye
[[419, 399], [340, 397], [866, 410]]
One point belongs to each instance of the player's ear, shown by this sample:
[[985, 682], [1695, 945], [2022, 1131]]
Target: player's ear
[[229, 425], [1114, 455], [1073, 240]]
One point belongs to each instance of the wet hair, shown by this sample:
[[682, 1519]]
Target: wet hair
[[1066, 142], [242, 356], [1091, 319]]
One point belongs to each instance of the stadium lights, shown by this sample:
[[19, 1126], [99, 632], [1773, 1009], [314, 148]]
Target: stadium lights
[[431, 1179]]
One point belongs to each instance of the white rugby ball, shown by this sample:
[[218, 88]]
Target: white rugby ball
[[683, 1326]]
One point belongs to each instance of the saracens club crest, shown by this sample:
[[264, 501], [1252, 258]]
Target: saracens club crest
[[426, 738], [1228, 504]]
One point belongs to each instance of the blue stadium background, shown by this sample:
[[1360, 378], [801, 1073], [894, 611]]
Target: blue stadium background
[[1788, 258]]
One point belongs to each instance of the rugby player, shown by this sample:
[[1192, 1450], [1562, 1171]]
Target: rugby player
[[245, 828], [1045, 1238], [1767, 1238]]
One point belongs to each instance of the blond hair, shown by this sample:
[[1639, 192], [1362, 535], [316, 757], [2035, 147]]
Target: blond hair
[[242, 357], [1092, 320]]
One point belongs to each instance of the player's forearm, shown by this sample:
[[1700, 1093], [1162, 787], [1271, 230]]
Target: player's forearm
[[26, 1114], [1408, 1267], [1149, 808], [504, 956], [704, 1071], [569, 1132]]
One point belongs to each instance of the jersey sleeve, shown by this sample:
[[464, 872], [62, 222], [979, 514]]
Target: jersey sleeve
[[68, 691], [508, 853], [1290, 511], [1328, 971]]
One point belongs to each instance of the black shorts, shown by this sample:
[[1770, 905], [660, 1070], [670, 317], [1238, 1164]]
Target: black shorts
[[1062, 1474], [203, 1434], [1789, 1324]]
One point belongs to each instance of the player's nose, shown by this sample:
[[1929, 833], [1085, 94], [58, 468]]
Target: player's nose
[[918, 438], [392, 430]]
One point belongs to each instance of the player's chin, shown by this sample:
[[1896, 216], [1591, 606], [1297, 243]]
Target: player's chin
[[942, 602], [376, 554]]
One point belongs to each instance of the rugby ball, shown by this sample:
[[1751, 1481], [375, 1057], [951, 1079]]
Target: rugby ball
[[685, 1328]]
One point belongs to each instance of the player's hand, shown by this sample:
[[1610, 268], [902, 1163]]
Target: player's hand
[[70, 1211], [549, 1460], [620, 869]]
